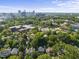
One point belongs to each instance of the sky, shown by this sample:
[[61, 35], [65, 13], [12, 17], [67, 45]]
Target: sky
[[40, 5]]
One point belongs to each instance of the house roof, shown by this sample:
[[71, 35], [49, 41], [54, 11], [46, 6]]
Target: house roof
[[14, 51], [75, 26], [15, 26], [5, 53], [48, 50], [41, 49]]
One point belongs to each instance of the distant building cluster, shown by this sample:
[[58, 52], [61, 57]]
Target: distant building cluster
[[20, 14]]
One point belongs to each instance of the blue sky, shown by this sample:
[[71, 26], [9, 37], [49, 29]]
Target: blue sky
[[39, 5]]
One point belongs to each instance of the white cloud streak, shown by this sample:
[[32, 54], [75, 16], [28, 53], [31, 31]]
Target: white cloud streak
[[60, 6]]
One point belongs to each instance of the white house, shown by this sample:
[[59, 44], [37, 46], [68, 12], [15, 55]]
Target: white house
[[48, 50], [41, 49], [21, 28], [14, 51], [5, 53], [75, 27]]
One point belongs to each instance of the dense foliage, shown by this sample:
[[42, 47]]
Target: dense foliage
[[54, 35]]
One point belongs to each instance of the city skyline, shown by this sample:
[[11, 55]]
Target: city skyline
[[39, 5]]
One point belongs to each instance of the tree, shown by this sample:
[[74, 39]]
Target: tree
[[44, 56], [28, 57], [39, 40], [52, 39], [14, 57], [66, 51]]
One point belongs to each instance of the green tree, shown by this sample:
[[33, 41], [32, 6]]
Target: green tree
[[39, 40], [44, 56], [28, 57]]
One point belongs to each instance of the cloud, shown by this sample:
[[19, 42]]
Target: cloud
[[9, 9], [66, 5], [57, 6]]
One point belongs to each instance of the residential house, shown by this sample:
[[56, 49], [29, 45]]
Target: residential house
[[5, 53], [14, 51]]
